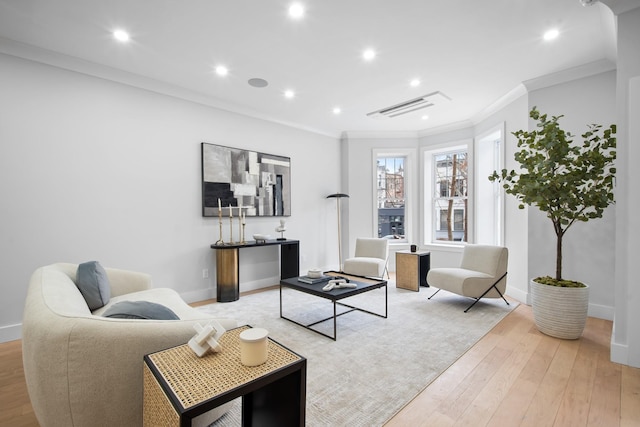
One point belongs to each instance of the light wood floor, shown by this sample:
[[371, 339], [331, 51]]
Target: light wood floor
[[514, 376]]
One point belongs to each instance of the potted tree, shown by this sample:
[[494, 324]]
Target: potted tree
[[570, 183]]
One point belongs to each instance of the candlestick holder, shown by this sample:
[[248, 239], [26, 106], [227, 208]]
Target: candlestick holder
[[231, 230], [220, 242], [240, 231]]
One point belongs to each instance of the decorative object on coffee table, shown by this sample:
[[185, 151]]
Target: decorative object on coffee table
[[338, 196], [253, 346], [206, 338]]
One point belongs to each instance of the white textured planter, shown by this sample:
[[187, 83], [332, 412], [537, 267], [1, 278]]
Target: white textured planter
[[559, 312]]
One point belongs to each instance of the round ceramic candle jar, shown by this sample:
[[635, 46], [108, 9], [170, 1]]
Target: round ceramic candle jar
[[314, 273], [253, 346]]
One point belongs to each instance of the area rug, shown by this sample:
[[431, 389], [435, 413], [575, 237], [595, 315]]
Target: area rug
[[377, 365]]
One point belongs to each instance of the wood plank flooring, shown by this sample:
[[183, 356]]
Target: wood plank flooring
[[517, 376], [514, 376]]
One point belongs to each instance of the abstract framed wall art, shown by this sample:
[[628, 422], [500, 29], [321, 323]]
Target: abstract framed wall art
[[259, 182]]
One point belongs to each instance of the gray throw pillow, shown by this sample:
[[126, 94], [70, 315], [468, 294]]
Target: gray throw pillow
[[93, 283], [140, 310]]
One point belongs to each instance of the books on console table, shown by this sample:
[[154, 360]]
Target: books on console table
[[313, 280]]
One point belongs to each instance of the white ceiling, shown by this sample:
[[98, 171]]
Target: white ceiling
[[475, 52]]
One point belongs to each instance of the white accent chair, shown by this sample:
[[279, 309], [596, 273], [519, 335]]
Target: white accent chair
[[482, 274], [370, 258]]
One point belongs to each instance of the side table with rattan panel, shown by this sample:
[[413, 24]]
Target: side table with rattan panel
[[412, 269], [179, 386]]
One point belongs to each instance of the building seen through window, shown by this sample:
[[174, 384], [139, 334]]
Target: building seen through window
[[451, 191], [391, 197]]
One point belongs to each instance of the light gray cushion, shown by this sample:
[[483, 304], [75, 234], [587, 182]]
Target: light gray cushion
[[140, 310], [93, 283]]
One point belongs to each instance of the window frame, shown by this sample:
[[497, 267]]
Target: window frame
[[428, 217], [495, 136], [409, 155]]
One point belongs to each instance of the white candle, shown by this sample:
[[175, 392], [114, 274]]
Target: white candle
[[243, 218], [240, 208], [254, 349], [230, 211], [219, 205]]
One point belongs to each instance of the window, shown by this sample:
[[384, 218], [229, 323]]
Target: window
[[447, 183], [450, 176], [390, 177], [488, 197]]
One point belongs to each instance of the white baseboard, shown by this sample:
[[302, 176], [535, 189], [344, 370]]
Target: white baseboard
[[601, 311], [210, 293], [259, 284], [619, 353], [199, 295], [11, 332], [517, 294]]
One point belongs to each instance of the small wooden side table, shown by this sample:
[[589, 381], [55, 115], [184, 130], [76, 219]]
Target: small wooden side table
[[412, 269], [179, 386]]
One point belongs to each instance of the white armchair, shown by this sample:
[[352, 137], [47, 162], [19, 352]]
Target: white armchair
[[370, 258], [482, 274]]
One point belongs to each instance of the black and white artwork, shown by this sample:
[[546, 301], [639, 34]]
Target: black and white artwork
[[259, 182]]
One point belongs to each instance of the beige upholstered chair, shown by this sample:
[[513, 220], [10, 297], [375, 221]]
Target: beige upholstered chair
[[482, 274], [83, 369], [370, 258]]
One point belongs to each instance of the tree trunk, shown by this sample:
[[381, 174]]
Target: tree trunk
[[559, 256], [466, 237], [452, 192], [450, 221]]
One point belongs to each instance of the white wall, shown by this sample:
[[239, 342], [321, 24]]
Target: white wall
[[589, 248], [514, 117], [91, 169], [625, 340], [359, 184], [528, 236]]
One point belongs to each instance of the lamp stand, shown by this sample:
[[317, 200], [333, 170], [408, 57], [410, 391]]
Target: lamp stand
[[339, 196]]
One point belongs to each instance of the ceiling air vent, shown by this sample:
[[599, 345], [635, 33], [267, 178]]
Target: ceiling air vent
[[406, 107]]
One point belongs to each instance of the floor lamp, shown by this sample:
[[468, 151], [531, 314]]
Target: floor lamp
[[338, 196]]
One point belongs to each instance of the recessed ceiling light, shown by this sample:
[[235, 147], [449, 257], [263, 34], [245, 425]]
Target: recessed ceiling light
[[551, 34], [296, 11], [337, 110], [289, 94], [425, 117], [369, 54], [415, 83], [221, 70], [121, 36]]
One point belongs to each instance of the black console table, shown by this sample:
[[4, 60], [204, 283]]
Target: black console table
[[228, 265]]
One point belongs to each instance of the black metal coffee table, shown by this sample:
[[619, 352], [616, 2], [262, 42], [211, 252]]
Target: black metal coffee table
[[365, 284]]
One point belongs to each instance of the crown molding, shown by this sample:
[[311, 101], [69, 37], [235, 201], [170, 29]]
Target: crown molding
[[621, 6], [451, 127], [500, 103], [70, 63], [575, 73], [356, 134]]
